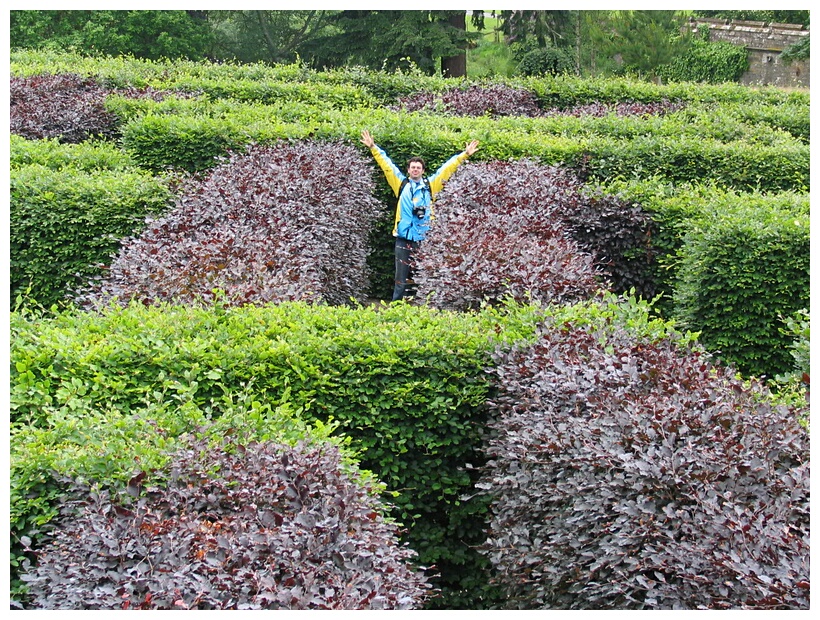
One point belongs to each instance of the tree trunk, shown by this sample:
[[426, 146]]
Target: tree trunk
[[456, 66]]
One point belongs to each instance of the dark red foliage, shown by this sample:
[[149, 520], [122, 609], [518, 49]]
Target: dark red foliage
[[621, 108], [474, 100], [497, 233], [256, 527], [278, 223], [618, 233], [525, 229], [504, 100], [68, 107], [632, 474]]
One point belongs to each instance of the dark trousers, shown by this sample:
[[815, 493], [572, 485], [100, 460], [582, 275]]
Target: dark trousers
[[404, 252]]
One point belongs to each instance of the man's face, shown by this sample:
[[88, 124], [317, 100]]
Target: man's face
[[415, 170]]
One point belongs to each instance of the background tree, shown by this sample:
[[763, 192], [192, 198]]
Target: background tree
[[540, 40], [544, 26], [392, 39], [456, 65], [266, 36], [780, 17], [644, 40], [598, 41], [144, 34]]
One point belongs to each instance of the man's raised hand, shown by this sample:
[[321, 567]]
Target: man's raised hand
[[367, 139]]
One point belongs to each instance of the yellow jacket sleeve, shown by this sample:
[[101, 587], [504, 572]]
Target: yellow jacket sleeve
[[391, 171]]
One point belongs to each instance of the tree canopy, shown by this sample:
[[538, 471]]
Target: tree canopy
[[592, 42]]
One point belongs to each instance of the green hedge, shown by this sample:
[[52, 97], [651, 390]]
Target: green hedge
[[566, 91], [743, 273], [562, 91], [356, 87], [677, 209], [67, 215], [407, 384], [169, 137], [86, 157]]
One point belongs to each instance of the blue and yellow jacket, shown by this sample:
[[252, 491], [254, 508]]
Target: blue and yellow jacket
[[408, 225]]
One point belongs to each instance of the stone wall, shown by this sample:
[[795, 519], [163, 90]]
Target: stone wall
[[764, 42]]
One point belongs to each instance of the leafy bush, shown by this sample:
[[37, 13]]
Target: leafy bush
[[273, 91], [497, 99], [498, 233], [707, 61], [790, 116], [793, 386], [740, 272], [229, 526], [561, 91], [51, 153], [677, 146], [621, 108], [64, 222], [273, 224], [68, 107], [633, 473], [522, 229], [545, 61], [74, 430], [676, 209], [473, 100], [798, 327]]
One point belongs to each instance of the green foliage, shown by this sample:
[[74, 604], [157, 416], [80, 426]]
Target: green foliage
[[490, 59], [193, 135], [143, 34], [798, 51], [65, 221], [266, 36], [563, 91], [407, 384], [389, 40], [798, 327], [273, 91], [85, 157], [768, 15], [792, 388], [740, 271], [680, 146], [677, 209], [545, 61], [643, 40], [707, 61]]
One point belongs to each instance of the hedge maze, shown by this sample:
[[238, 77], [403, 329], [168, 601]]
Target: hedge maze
[[592, 401]]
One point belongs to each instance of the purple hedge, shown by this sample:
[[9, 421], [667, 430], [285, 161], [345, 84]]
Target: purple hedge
[[277, 223], [524, 229], [492, 100], [633, 474], [262, 526], [68, 107], [503, 100]]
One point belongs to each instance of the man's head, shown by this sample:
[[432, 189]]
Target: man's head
[[415, 168]]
